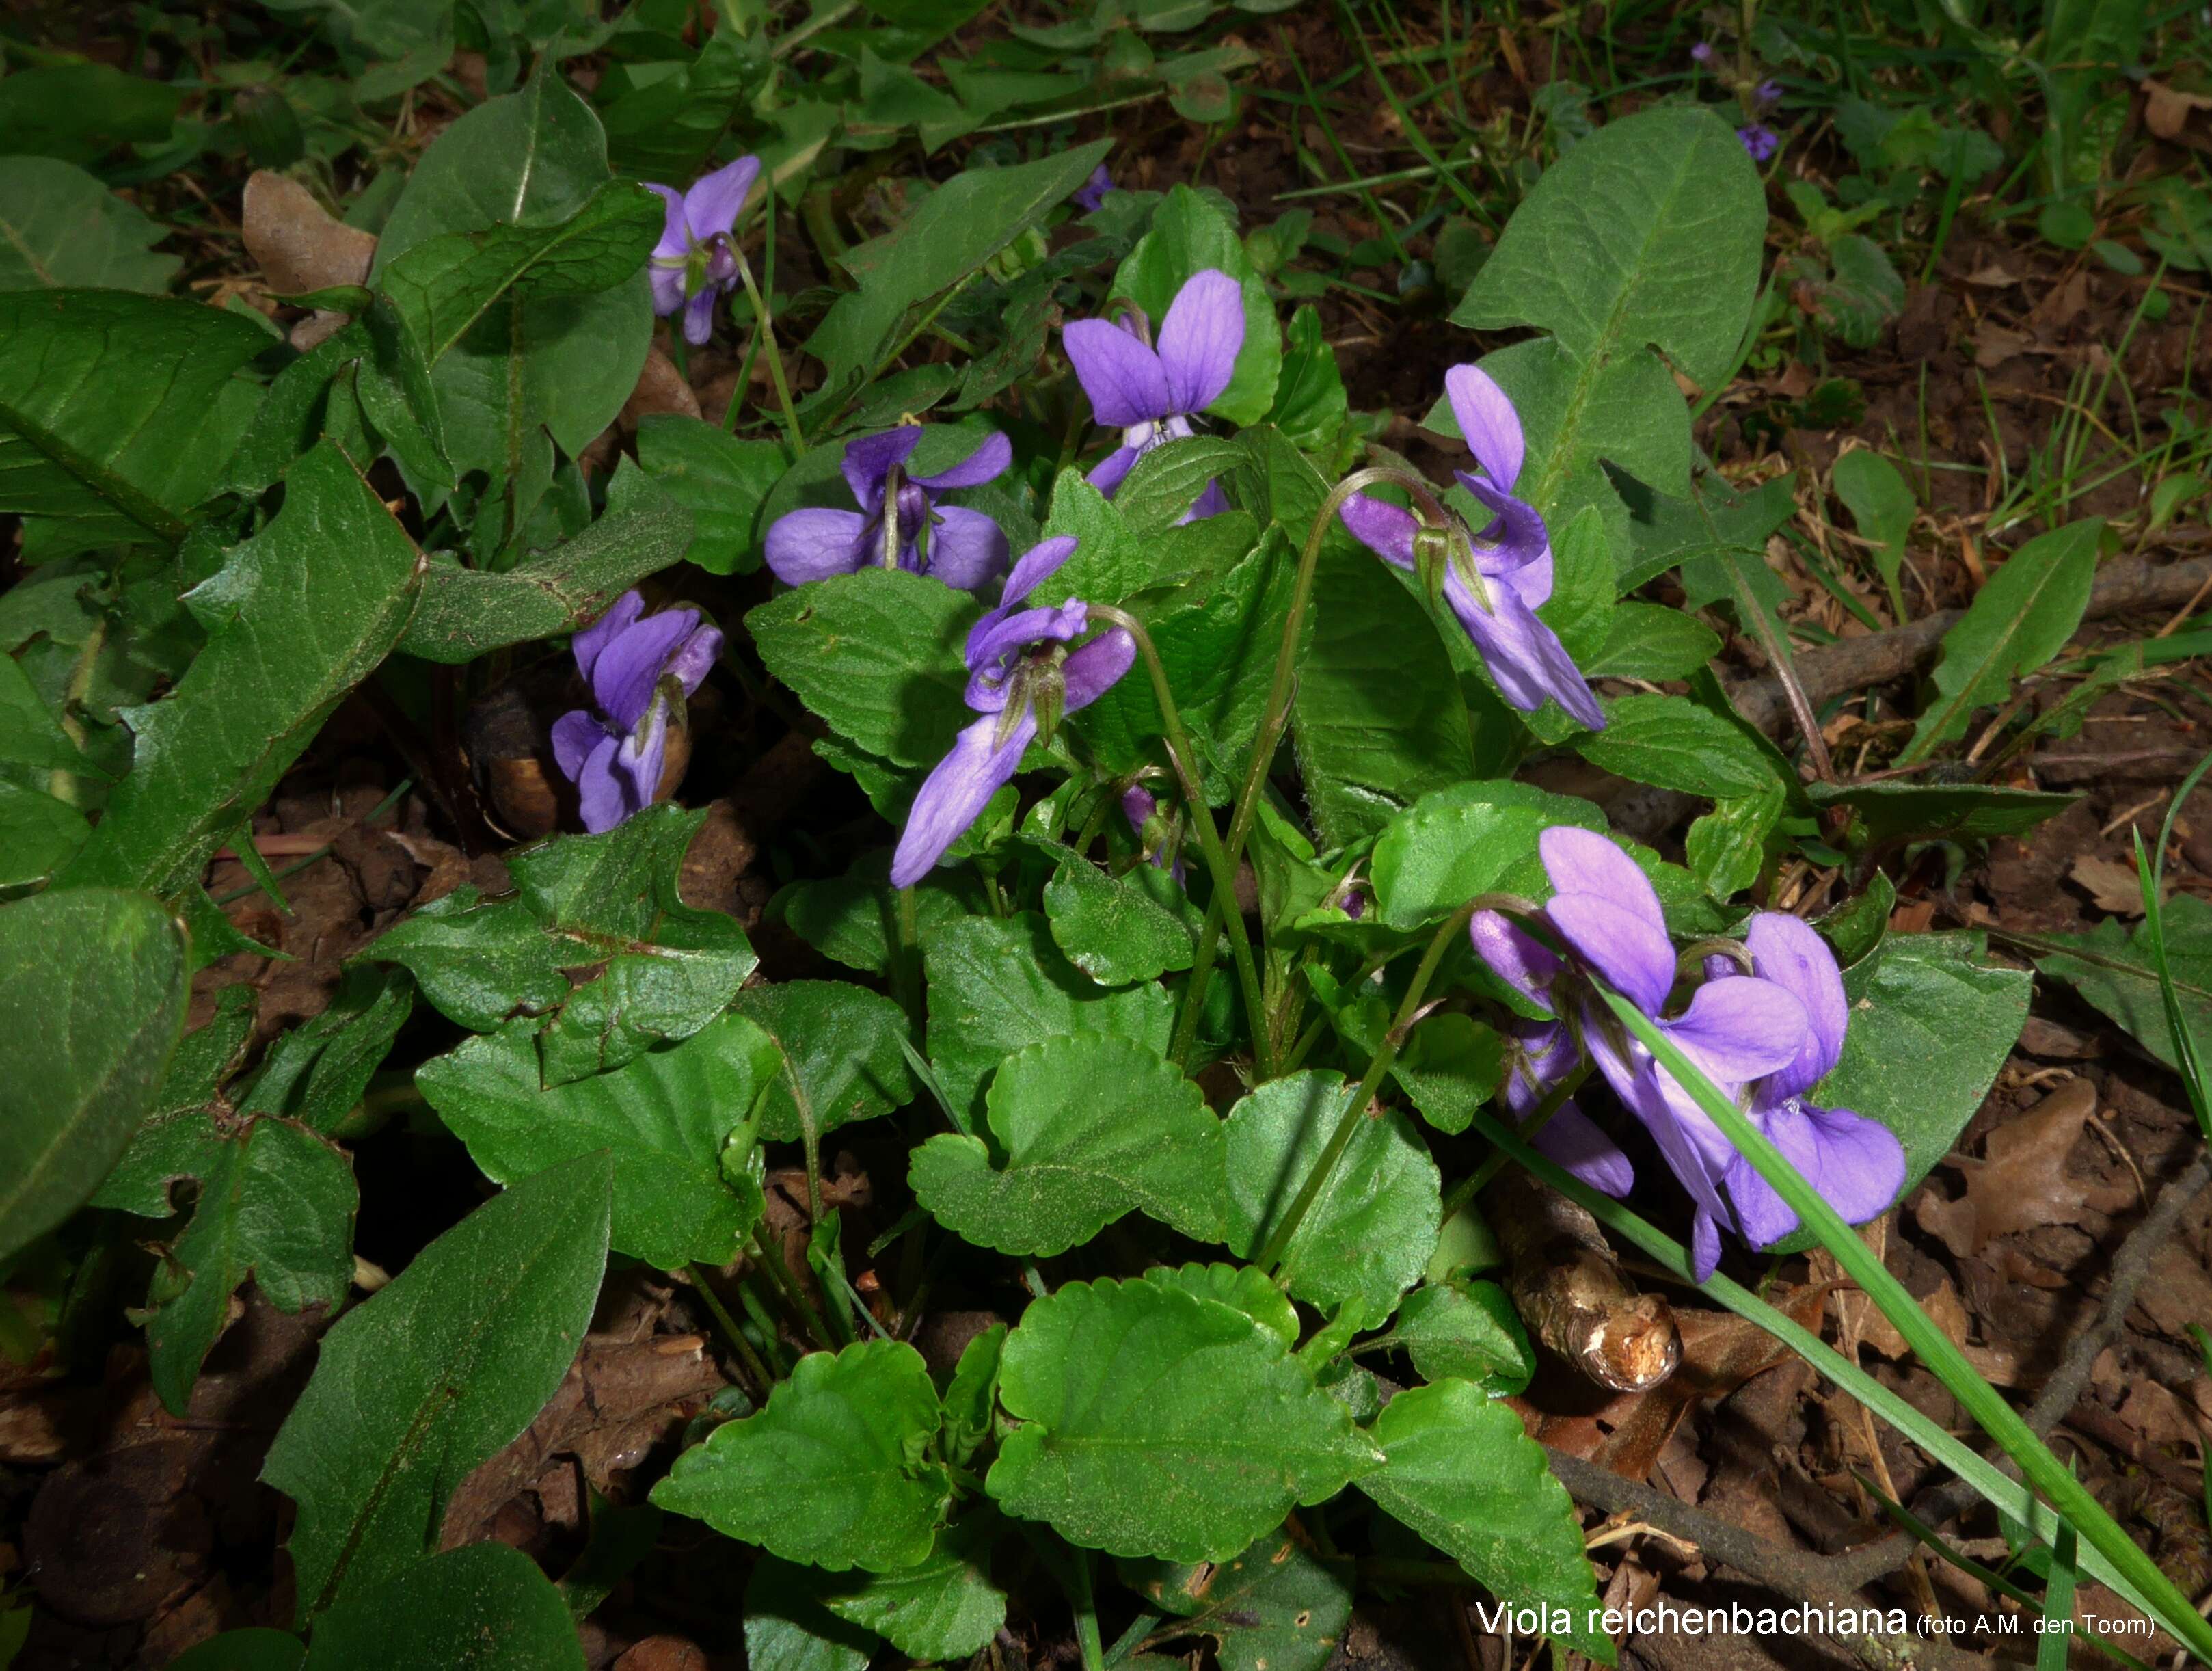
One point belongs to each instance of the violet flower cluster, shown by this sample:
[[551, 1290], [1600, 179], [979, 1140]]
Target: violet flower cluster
[[1151, 393], [695, 263], [904, 527], [1025, 668], [639, 666], [1765, 1039], [1494, 581]]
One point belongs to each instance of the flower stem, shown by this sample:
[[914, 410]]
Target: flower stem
[[1409, 1009], [1086, 1609], [1554, 1099], [762, 1380], [791, 429], [1276, 717], [771, 1260], [1218, 864]]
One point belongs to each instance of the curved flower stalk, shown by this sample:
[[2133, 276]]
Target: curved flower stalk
[[1151, 394], [899, 522], [695, 263], [1025, 668], [639, 667], [1765, 1038], [1494, 581]]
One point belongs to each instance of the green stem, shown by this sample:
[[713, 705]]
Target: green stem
[[1554, 1100], [787, 1285], [1276, 717], [753, 1367], [909, 963], [2042, 1471], [767, 321], [1194, 988], [823, 20], [1347, 1123], [1086, 1609], [1217, 863]]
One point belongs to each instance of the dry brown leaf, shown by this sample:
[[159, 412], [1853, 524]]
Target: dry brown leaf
[[2024, 1181], [2167, 110], [297, 244], [2154, 1411], [2177, 1293], [2113, 888]]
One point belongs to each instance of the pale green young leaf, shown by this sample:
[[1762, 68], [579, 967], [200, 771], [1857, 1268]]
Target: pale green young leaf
[[432, 1374], [996, 985], [1156, 1423], [59, 227], [95, 980], [1459, 1470], [1091, 1127], [298, 616], [832, 1472], [2021, 618], [1369, 1234], [666, 1118]]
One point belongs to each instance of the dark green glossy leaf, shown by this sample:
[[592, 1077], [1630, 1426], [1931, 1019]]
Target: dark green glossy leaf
[[298, 616], [94, 981], [481, 1607], [59, 227], [1465, 1332], [721, 480], [1277, 1606], [435, 1373], [1899, 811]]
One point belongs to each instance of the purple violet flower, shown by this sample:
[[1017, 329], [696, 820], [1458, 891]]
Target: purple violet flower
[[1737, 1028], [1759, 140], [1767, 95], [695, 263], [1544, 1054], [1703, 54], [638, 666], [1021, 676], [1155, 832], [1855, 1163], [1150, 394], [1092, 192], [1495, 582], [964, 547]]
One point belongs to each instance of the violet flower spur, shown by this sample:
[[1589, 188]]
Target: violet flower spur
[[1543, 1053], [1736, 1029], [1024, 671], [1494, 581], [1857, 1164], [1154, 830], [903, 525], [695, 263], [1092, 192], [1150, 394], [638, 666]]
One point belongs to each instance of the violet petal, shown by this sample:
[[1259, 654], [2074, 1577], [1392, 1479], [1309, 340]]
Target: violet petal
[[574, 736], [1385, 529], [621, 616], [1631, 952], [1525, 657], [714, 201], [699, 316], [985, 463], [869, 459], [694, 657], [812, 544], [1791, 954], [599, 794], [625, 675], [1108, 473], [1575, 1140], [1092, 669], [955, 794], [967, 550], [1200, 340], [1487, 420], [1515, 956], [1740, 1028], [1124, 379]]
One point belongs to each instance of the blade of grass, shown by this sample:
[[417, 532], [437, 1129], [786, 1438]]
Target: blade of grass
[[2042, 1471]]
